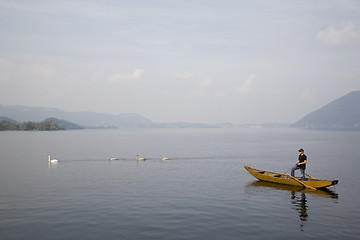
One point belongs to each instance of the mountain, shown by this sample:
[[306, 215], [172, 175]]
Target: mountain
[[341, 114], [193, 125], [76, 120], [64, 124], [6, 119], [86, 119]]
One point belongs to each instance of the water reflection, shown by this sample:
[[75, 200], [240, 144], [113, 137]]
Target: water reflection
[[300, 205], [298, 197], [327, 193], [52, 165]]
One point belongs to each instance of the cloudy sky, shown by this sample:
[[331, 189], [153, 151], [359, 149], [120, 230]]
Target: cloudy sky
[[196, 61]]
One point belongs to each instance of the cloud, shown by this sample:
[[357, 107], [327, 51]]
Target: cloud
[[44, 70], [126, 78], [206, 83], [246, 86], [349, 33], [3, 62], [184, 75]]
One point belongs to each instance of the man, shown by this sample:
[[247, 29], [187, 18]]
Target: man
[[301, 164]]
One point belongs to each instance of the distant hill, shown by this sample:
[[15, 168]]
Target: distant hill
[[193, 125], [76, 120], [64, 124], [50, 124], [89, 119], [341, 114], [6, 119], [86, 119]]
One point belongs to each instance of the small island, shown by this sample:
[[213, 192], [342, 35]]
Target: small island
[[50, 124]]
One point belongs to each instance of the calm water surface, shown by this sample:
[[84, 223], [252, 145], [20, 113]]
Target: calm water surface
[[202, 192]]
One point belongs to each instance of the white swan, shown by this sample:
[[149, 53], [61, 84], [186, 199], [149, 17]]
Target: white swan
[[52, 160], [140, 159], [112, 158], [161, 158]]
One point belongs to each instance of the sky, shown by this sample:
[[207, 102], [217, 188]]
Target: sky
[[243, 62]]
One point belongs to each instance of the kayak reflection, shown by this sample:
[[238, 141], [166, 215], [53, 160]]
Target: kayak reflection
[[327, 193], [297, 196]]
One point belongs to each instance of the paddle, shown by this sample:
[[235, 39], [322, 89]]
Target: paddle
[[302, 183], [309, 176]]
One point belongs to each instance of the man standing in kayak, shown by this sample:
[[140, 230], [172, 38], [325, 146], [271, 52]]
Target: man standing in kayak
[[301, 164]]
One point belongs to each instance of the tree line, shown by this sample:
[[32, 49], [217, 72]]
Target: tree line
[[29, 126]]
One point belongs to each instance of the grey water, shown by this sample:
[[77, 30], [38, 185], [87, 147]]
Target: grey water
[[201, 192]]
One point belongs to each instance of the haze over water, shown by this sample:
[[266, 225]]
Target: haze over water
[[202, 192]]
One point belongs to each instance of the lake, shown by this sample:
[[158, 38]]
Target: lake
[[201, 192]]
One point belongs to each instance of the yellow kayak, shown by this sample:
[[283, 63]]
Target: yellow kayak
[[286, 179]]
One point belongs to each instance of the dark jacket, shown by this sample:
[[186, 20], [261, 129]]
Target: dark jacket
[[302, 158]]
